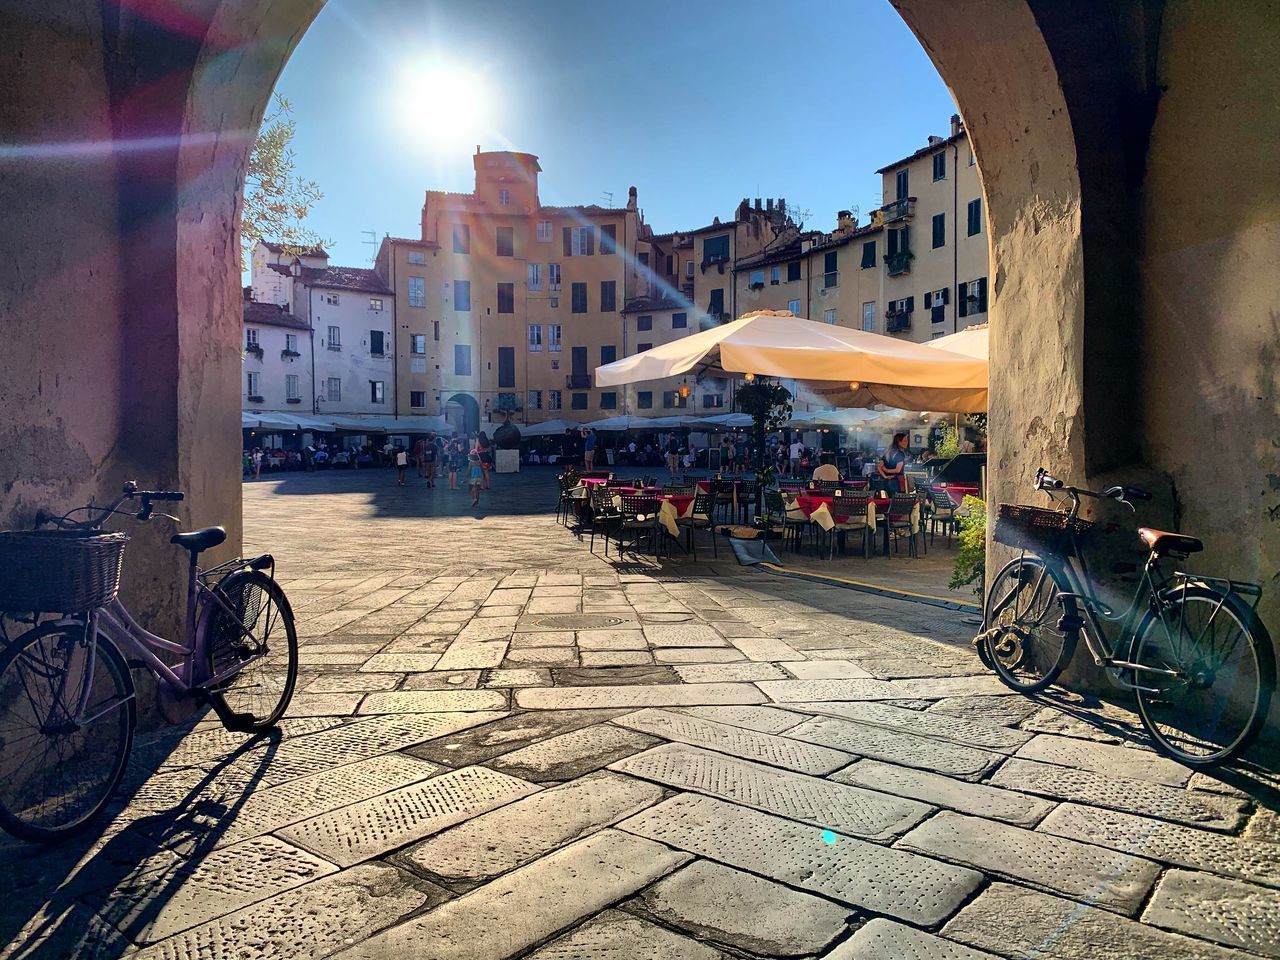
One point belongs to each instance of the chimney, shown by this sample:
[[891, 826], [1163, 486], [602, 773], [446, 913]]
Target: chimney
[[782, 207], [477, 149], [632, 198], [934, 140], [758, 204], [956, 124], [769, 205]]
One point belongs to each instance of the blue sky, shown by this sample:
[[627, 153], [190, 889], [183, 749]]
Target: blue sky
[[696, 103]]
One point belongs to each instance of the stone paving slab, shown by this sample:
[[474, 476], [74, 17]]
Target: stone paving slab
[[977, 799], [668, 695], [353, 683], [755, 647], [760, 719], [974, 733], [514, 835], [614, 658], [614, 676], [616, 936], [612, 640], [727, 906], [825, 670], [745, 672], [442, 680], [1115, 761], [1167, 842], [935, 688], [484, 742], [472, 656], [1082, 871], [897, 746], [371, 827], [1006, 711], [545, 638], [433, 701], [572, 754], [856, 872], [1142, 797], [543, 657], [151, 906], [696, 655], [324, 704], [203, 747], [1230, 912], [881, 939], [508, 915], [728, 738], [683, 635], [1018, 922], [315, 921], [399, 662], [795, 691]]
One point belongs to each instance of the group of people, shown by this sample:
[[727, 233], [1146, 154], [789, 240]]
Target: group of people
[[434, 454]]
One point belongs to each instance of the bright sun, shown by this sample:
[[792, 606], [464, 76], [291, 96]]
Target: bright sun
[[445, 104]]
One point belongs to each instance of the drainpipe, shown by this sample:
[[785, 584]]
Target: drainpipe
[[315, 397], [395, 340], [955, 235]]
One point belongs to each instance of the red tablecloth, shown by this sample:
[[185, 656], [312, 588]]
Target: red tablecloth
[[681, 501], [589, 481], [959, 491]]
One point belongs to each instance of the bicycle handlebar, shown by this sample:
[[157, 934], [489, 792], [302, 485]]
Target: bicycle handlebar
[[129, 491], [1121, 494]]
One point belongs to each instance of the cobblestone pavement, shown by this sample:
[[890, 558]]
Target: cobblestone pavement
[[505, 746]]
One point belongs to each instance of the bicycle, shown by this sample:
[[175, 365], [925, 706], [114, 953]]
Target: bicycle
[[1198, 658], [67, 699]]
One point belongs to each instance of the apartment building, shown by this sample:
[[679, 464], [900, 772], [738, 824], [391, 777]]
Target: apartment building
[[277, 359]]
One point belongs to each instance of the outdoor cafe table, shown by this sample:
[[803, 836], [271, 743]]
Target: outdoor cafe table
[[672, 506], [824, 510]]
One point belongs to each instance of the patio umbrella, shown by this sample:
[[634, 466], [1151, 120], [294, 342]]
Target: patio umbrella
[[631, 423], [728, 421], [548, 428]]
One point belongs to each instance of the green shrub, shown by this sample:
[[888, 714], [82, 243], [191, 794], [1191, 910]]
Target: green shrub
[[971, 559]]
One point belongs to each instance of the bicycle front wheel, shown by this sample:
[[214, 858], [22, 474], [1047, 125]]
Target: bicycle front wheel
[[1223, 672], [60, 763], [1029, 651], [256, 639]]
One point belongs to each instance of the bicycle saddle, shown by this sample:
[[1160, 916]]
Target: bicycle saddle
[[1162, 541], [198, 540]]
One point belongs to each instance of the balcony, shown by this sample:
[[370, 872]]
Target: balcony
[[898, 263], [577, 381], [903, 209], [253, 350], [254, 398], [334, 346], [289, 354], [897, 321], [293, 400]]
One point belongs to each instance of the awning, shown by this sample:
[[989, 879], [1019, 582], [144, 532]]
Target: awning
[[392, 425], [548, 428]]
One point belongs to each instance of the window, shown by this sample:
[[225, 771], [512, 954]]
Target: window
[[609, 240], [608, 296], [868, 254], [579, 241], [535, 277], [535, 396], [291, 342], [608, 354], [828, 316], [644, 399], [417, 364], [609, 400], [642, 347], [553, 277], [375, 303], [939, 230], [417, 292], [505, 244], [935, 301], [251, 385], [869, 317], [250, 337], [940, 165], [901, 185], [756, 278], [578, 401], [972, 297], [333, 389], [544, 231], [830, 273], [643, 257], [504, 199], [377, 391], [712, 400], [793, 271], [417, 257], [579, 298], [506, 298], [775, 276], [461, 360], [679, 321], [975, 217], [716, 307], [671, 399], [435, 330], [535, 338], [688, 269], [331, 299], [553, 337], [506, 366], [899, 241], [644, 323], [553, 400], [335, 338], [715, 249], [375, 343], [794, 306], [462, 294], [671, 262], [461, 238], [417, 399], [418, 344]]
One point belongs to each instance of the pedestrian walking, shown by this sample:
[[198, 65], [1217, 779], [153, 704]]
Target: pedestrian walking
[[427, 459], [673, 457], [257, 463], [402, 464], [588, 448], [485, 452], [456, 457], [475, 478], [420, 457]]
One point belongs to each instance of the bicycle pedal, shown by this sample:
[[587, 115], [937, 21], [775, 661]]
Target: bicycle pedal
[[238, 722]]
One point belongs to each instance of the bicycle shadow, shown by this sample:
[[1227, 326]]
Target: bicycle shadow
[[93, 895]]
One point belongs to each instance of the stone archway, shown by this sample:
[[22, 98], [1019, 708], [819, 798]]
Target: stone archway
[[463, 412], [1133, 308]]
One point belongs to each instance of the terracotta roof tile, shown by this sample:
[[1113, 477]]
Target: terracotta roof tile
[[271, 315]]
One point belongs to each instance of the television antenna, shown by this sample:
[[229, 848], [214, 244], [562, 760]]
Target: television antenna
[[372, 242], [607, 197]]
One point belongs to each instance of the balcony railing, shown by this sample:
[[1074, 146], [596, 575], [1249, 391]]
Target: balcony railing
[[254, 350], [902, 209], [898, 263], [896, 322], [719, 316], [578, 381]]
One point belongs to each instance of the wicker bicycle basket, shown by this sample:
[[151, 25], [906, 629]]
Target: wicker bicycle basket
[[62, 571], [1035, 528]]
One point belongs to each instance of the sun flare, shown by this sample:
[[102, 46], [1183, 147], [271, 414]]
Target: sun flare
[[444, 103]]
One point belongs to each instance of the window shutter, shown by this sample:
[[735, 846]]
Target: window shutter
[[568, 241], [911, 304], [928, 300], [893, 242], [963, 293], [946, 294], [982, 295], [590, 234]]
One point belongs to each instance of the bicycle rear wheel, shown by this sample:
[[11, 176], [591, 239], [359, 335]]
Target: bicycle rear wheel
[[57, 769], [1029, 652], [266, 650], [1211, 711]]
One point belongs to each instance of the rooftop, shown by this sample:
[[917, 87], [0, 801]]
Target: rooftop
[[340, 278], [925, 151], [271, 315]]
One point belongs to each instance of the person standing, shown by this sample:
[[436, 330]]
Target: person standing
[[401, 457], [673, 457], [475, 477], [796, 454], [893, 464], [456, 457], [257, 463], [427, 459], [485, 453], [420, 457], [588, 448]]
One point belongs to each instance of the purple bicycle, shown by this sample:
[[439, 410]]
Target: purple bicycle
[[67, 700]]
